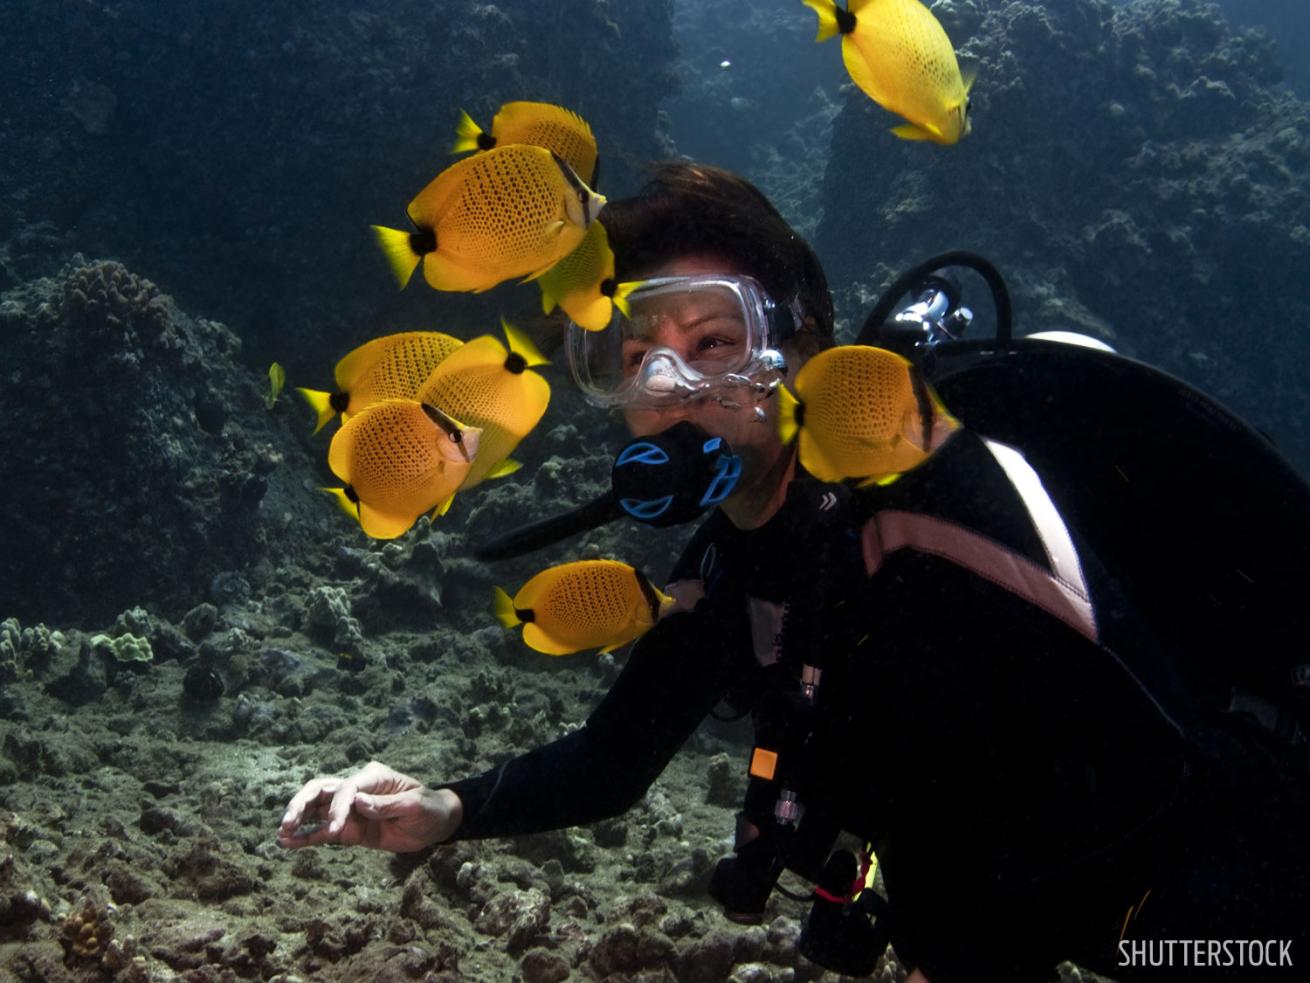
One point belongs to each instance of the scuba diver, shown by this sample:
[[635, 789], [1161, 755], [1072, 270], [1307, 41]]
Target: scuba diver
[[942, 665]]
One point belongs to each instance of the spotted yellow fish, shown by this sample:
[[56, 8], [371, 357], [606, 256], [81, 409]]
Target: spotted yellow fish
[[582, 284], [488, 385], [862, 412], [590, 604], [399, 459], [277, 378], [537, 123], [390, 367], [514, 211], [899, 54]]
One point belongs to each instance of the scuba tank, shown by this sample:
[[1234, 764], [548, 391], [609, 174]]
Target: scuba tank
[[1168, 487], [1136, 460]]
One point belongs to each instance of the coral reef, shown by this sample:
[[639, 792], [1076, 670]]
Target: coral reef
[[25, 651], [1133, 170], [87, 930], [124, 648], [249, 196], [147, 452]]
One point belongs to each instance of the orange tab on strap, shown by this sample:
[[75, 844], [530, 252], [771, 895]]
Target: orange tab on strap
[[764, 763]]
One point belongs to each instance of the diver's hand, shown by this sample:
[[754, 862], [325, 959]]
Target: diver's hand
[[376, 807]]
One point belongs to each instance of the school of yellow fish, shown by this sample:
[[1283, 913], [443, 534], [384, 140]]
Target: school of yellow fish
[[425, 415]]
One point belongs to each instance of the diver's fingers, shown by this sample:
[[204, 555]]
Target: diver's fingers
[[313, 835], [309, 801], [343, 801]]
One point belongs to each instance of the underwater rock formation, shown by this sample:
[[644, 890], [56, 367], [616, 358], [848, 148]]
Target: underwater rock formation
[[145, 450], [1292, 35], [248, 191], [1135, 173]]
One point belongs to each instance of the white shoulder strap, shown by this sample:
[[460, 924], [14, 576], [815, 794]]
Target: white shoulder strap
[[1054, 534], [1061, 590]]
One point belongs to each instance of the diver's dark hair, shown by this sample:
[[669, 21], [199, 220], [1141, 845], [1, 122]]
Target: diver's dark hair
[[687, 208]]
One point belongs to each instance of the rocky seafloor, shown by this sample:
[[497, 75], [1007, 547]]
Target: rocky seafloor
[[146, 755]]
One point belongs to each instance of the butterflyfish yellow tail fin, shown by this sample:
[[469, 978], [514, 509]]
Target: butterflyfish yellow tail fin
[[827, 11], [344, 501], [789, 415], [520, 344], [621, 293], [399, 251], [502, 606], [321, 404], [466, 135], [969, 76]]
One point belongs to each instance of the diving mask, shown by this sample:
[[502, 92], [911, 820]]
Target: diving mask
[[686, 337]]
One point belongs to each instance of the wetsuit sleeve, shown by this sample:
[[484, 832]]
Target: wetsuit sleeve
[[675, 675]]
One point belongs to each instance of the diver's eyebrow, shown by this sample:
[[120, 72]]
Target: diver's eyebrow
[[698, 317]]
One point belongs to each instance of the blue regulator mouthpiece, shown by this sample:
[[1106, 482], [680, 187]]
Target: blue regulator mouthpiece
[[663, 480], [674, 476]]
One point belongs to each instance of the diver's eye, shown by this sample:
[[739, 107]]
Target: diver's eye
[[632, 358], [717, 350]]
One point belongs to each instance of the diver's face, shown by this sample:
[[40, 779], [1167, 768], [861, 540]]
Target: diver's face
[[706, 329], [703, 334]]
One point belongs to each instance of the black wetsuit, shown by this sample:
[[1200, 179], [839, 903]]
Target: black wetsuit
[[1024, 777]]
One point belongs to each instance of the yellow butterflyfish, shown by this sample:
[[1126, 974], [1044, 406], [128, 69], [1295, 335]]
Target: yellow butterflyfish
[[513, 211], [862, 412], [277, 378], [582, 284], [899, 54], [537, 123], [390, 367], [399, 459], [590, 604], [489, 385]]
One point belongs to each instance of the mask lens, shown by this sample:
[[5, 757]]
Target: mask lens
[[708, 323], [705, 325]]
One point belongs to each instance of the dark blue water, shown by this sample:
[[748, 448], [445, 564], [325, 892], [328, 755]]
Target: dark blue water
[[1138, 171]]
